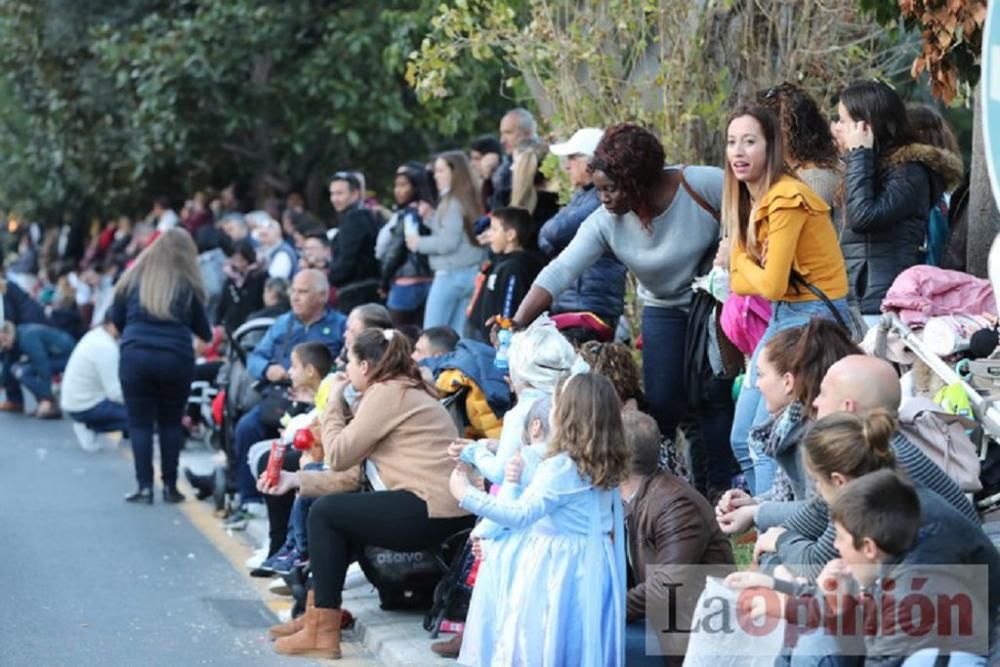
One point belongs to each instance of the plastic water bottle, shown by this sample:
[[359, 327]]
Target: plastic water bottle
[[411, 226], [502, 361]]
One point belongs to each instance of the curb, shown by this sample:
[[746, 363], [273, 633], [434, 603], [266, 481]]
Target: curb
[[394, 638]]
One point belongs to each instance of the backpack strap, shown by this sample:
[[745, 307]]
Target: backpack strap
[[698, 199]]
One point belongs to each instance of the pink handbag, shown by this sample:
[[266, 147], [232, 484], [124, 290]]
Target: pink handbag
[[744, 320]]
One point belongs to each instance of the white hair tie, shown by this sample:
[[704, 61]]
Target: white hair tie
[[388, 333]]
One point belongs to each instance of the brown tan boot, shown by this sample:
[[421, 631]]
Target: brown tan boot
[[292, 626], [318, 638], [450, 648]]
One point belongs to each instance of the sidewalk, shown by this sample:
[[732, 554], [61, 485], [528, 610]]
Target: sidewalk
[[393, 638]]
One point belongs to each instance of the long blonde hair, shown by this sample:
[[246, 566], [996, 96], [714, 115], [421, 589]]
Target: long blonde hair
[[588, 427], [166, 268], [737, 207], [463, 191]]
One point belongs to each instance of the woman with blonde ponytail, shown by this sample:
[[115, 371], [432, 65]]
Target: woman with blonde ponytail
[[843, 446], [159, 306], [783, 247]]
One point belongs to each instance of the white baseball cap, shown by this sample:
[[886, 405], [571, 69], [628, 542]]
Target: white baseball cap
[[583, 142]]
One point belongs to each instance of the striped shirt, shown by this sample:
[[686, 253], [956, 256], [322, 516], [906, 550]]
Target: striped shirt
[[808, 545]]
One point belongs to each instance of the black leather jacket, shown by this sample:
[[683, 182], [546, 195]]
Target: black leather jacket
[[887, 204]]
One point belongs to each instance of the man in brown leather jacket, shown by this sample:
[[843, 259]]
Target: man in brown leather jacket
[[670, 528]]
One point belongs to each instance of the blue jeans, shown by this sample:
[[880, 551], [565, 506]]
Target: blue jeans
[[156, 384], [248, 431], [105, 417], [449, 297], [750, 408], [408, 297], [663, 334], [48, 350], [298, 523]]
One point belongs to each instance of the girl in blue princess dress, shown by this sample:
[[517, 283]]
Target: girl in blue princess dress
[[566, 605], [540, 358]]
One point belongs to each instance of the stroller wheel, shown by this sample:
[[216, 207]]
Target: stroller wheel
[[219, 493]]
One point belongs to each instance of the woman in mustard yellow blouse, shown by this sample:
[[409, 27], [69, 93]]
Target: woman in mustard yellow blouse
[[783, 247]]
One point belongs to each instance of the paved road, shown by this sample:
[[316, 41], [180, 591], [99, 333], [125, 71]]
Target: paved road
[[87, 579]]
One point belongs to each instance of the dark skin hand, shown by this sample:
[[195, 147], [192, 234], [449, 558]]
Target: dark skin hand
[[538, 300]]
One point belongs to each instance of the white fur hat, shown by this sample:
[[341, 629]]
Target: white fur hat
[[540, 356]]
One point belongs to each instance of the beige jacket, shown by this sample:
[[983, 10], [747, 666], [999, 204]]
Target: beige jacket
[[404, 431]]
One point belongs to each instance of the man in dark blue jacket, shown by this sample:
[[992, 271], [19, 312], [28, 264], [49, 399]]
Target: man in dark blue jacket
[[18, 308], [601, 288], [310, 320]]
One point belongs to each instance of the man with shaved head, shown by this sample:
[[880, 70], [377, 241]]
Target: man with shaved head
[[859, 384], [310, 320]]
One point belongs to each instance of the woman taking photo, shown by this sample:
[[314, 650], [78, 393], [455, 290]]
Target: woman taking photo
[[775, 225], [891, 182], [407, 275], [159, 303], [451, 246], [663, 227], [399, 436]]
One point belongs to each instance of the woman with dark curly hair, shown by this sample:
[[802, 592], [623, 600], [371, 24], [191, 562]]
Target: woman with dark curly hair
[[659, 221], [810, 151]]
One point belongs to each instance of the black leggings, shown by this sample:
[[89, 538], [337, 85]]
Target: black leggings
[[279, 508], [342, 523]]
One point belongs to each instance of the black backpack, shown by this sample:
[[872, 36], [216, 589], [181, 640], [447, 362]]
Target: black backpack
[[403, 579]]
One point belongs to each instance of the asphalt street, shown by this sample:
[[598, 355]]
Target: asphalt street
[[88, 579]]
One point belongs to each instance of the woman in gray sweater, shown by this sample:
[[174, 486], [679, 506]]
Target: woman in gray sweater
[[660, 222], [454, 253]]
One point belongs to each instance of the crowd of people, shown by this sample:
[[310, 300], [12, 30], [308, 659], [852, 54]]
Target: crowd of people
[[594, 474]]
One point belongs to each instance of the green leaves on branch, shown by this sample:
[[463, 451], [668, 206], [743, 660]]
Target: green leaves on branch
[[108, 102], [676, 67]]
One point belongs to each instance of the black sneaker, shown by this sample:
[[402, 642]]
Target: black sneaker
[[141, 497], [172, 496], [204, 485]]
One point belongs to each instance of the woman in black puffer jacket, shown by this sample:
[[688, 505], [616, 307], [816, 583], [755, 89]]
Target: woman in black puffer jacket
[[891, 181]]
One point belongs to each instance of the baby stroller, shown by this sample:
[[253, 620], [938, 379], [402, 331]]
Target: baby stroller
[[240, 396]]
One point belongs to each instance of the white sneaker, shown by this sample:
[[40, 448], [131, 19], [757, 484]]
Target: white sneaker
[[355, 577], [257, 510], [87, 438], [111, 440], [258, 557], [279, 587]]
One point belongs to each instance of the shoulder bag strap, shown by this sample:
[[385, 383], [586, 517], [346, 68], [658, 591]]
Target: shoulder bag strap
[[796, 280], [698, 199]]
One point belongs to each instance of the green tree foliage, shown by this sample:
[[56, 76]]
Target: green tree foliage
[[106, 103], [676, 67]]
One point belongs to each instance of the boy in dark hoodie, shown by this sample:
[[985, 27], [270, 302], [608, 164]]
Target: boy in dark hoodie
[[505, 280]]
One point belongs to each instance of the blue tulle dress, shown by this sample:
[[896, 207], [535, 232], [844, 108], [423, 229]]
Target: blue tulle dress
[[566, 605], [501, 548]]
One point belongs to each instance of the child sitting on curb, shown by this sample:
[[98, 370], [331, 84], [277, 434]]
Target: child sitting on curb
[[311, 362]]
